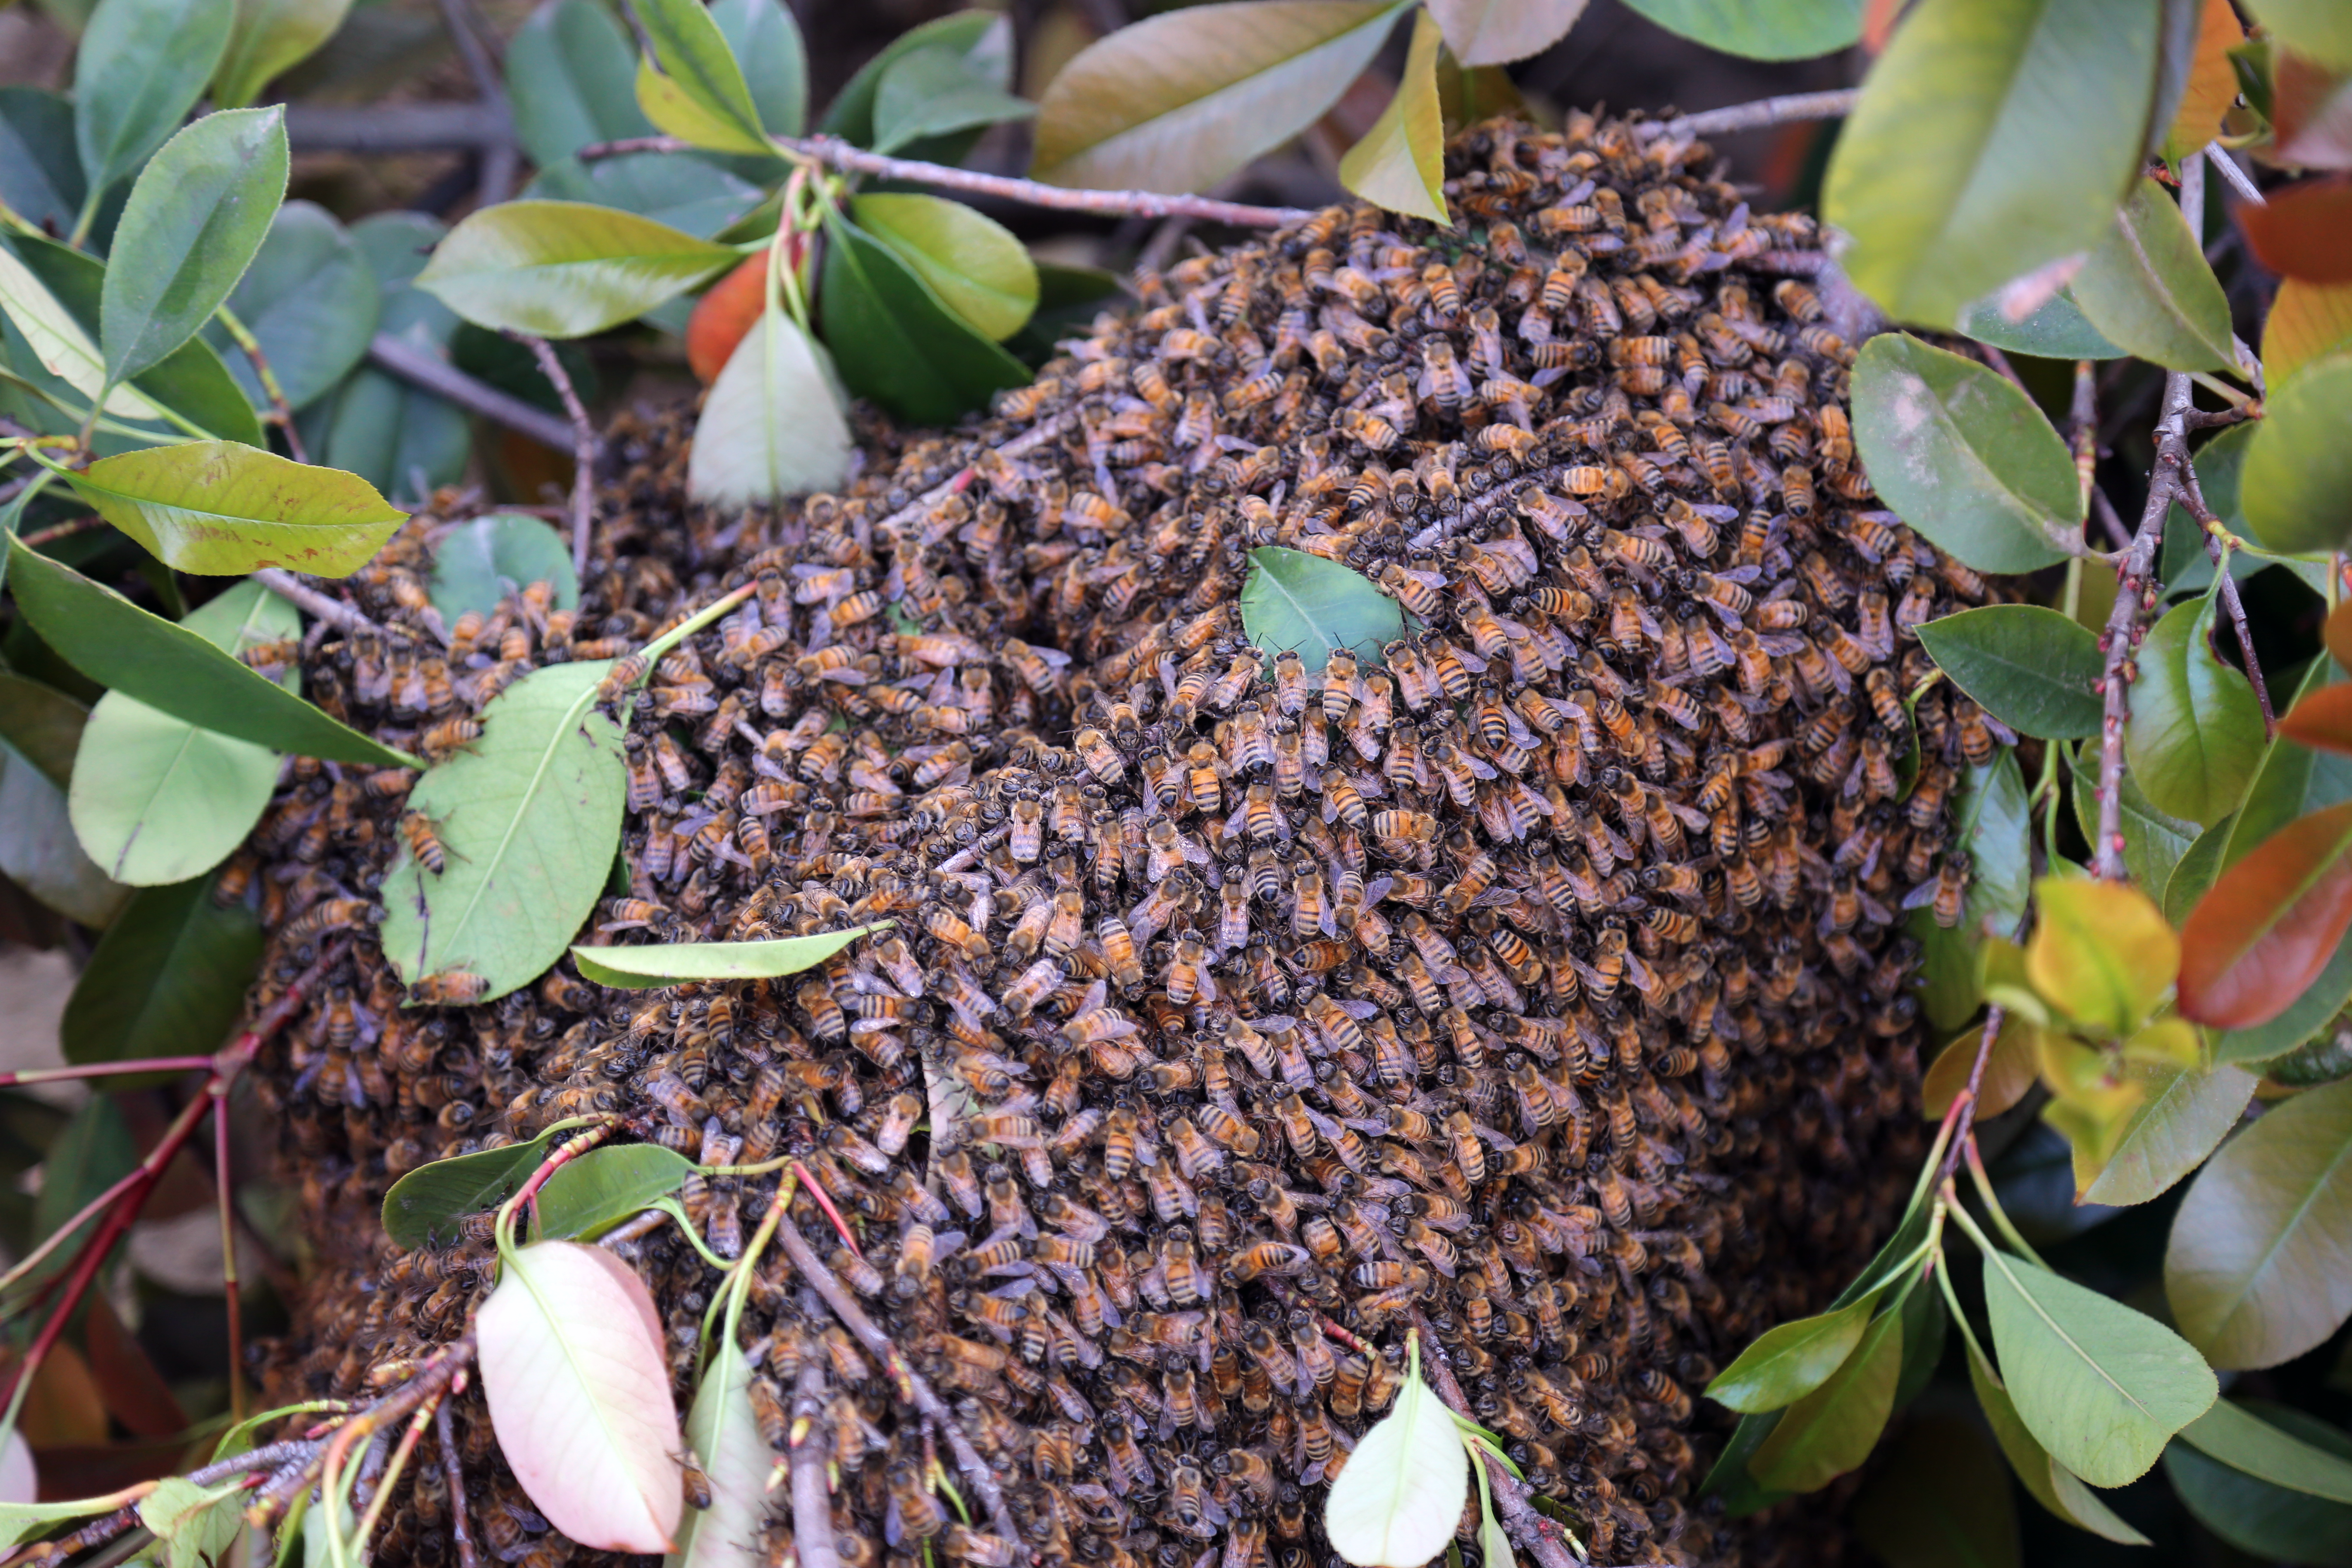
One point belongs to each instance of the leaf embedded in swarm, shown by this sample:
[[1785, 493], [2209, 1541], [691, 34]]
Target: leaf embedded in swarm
[[973, 263], [168, 978], [1775, 30], [197, 216], [1397, 1501], [576, 1369], [427, 1203], [2056, 329], [2030, 668], [774, 425], [1788, 1361], [1963, 456], [766, 43], [1400, 164], [635, 968], [565, 269], [141, 66], [2297, 488], [2194, 735], [1496, 32], [896, 341], [2101, 952], [2255, 1269], [927, 95], [221, 508], [2307, 322], [2147, 288], [40, 171], [193, 1524], [162, 800], [1179, 101], [2100, 1386], [1294, 601], [477, 563], [2270, 924], [272, 37], [2053, 1486], [2008, 1070], [2234, 1489], [605, 1186], [311, 303], [528, 817], [695, 60], [724, 1430], [569, 70], [1993, 137], [2213, 84], [1832, 1429]]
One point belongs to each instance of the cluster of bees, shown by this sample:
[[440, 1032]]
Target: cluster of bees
[[1541, 980]]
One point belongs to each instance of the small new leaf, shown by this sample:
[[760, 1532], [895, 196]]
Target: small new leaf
[[635, 968]]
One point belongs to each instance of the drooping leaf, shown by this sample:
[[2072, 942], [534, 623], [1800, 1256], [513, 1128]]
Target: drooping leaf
[[1964, 457], [198, 215], [1396, 1503], [724, 1433], [2056, 329], [2256, 1268], [2246, 1441], [565, 269], [766, 43], [220, 508], [2030, 668], [2212, 87], [1791, 1359], [569, 70], [774, 425], [272, 37], [605, 1186], [2100, 1386], [477, 563], [40, 173], [1938, 1499], [2308, 323], [577, 1377], [2008, 1074], [2183, 1115], [168, 978], [141, 66], [1178, 101], [1926, 1327], [2053, 1486], [896, 341], [1994, 820], [1400, 164], [927, 94], [43, 724], [637, 967], [2195, 731], [193, 1524], [1993, 137], [1494, 32], [2297, 490], [973, 263], [1772, 30], [1296, 601], [2148, 289], [678, 189], [2101, 952], [310, 302], [2266, 929], [428, 1202], [1832, 1429], [2247, 1505], [161, 800]]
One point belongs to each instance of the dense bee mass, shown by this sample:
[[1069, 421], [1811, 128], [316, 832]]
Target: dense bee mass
[[1543, 977]]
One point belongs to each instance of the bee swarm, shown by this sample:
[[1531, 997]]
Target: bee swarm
[[1543, 976]]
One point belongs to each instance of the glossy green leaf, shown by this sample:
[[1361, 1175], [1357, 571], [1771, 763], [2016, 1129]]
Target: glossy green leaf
[[2255, 1270], [1178, 101], [1963, 456], [1994, 819], [20, 1521], [767, 45], [2056, 329], [1494, 32], [198, 215], [310, 299], [2182, 1118], [2101, 952], [1993, 137], [168, 978], [426, 1206], [1400, 164], [2195, 733], [1926, 1328], [142, 66], [724, 1432], [40, 173], [43, 724], [272, 37], [2147, 288], [1760, 29], [565, 269], [569, 70], [634, 968], [1292, 600], [694, 59], [982, 37], [399, 439], [1790, 1361], [2246, 1441], [936, 92], [605, 1186], [121, 645], [530, 817], [220, 508], [1938, 1498], [2250, 1509], [161, 800], [774, 425], [2297, 488], [2100, 1386], [2154, 842], [1832, 1429], [896, 341], [1396, 1502], [2031, 668], [675, 188], [972, 263], [2053, 1486], [477, 563]]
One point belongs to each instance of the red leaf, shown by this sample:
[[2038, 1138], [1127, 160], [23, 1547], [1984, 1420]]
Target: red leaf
[[2321, 720], [2303, 231], [1878, 24], [2311, 114], [723, 316], [135, 1393], [2261, 935]]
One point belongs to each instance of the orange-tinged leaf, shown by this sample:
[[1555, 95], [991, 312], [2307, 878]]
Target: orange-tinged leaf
[[578, 1382], [723, 316], [2323, 720], [2303, 231], [2338, 633], [2212, 82], [2308, 321], [2261, 935], [2102, 953], [2007, 1073]]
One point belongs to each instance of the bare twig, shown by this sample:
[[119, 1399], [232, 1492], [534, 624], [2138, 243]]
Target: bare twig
[[499, 150], [2192, 499], [1538, 1536], [421, 367], [320, 606], [584, 448], [1764, 111], [223, 1186], [2216, 155], [812, 1507], [57, 530], [453, 1474]]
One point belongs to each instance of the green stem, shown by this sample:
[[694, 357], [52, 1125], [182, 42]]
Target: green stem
[[1992, 1207], [250, 346], [693, 624], [2221, 389], [1952, 1298], [85, 218]]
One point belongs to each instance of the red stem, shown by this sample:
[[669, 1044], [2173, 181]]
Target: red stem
[[825, 1201], [101, 1069]]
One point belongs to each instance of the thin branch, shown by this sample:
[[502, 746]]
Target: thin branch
[[303, 596], [223, 1187], [282, 412], [1782, 110], [584, 450], [1541, 1537], [497, 152], [57, 530], [2193, 497], [453, 1474], [812, 1509], [103, 1069], [393, 127], [2239, 180], [434, 1377], [421, 367]]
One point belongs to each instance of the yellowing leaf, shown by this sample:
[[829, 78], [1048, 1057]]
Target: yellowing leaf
[[58, 341], [222, 508], [1401, 162], [673, 109], [2102, 953], [2008, 1072], [1397, 1501]]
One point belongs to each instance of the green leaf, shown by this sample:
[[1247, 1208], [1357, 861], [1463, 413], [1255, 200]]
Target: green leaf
[[43, 724], [530, 817], [724, 1432], [635, 968], [168, 978], [426, 1204], [605, 1186], [162, 800], [932, 93], [121, 645], [896, 341], [198, 213], [2055, 330], [1791, 1359], [972, 263], [697, 63], [2182, 1118], [40, 173], [2252, 1511], [1832, 1429], [477, 563], [1926, 1327], [2053, 1486], [1396, 1502], [2297, 488], [93, 1151], [1400, 164], [980, 37], [2100, 1386], [272, 37], [1938, 1498], [2245, 1441], [2147, 288], [1995, 816], [2314, 28], [397, 437], [1296, 601], [220, 508], [565, 269], [1993, 137], [2195, 733], [191, 1522], [2254, 1271], [58, 342], [20, 1521], [37, 851], [1180, 101], [2031, 668], [1769, 30], [569, 74], [311, 303], [1493, 32], [142, 66], [774, 425], [1963, 456], [766, 42], [674, 188]]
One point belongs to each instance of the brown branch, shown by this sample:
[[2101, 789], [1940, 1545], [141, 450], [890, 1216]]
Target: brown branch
[[584, 450], [320, 606], [434, 1377], [1764, 111], [223, 1187], [421, 367], [453, 1474], [812, 1507], [2192, 499], [1537, 1536]]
